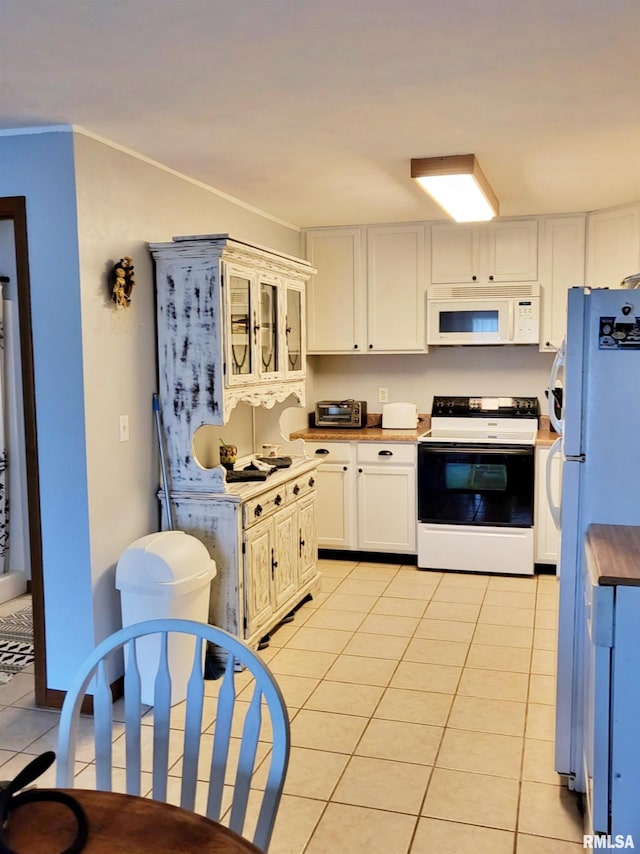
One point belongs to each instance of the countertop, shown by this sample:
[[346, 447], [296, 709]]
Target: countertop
[[545, 436], [615, 550]]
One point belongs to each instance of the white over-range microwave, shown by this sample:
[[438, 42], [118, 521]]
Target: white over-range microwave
[[484, 314]]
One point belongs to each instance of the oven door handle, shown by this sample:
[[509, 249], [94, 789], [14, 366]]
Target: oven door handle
[[474, 449]]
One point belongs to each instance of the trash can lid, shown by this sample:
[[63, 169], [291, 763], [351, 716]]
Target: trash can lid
[[165, 562]]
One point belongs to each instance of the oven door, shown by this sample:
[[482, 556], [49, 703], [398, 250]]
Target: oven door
[[483, 484]]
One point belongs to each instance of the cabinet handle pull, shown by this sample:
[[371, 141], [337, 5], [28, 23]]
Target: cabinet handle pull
[[301, 543], [277, 500], [385, 453], [256, 329], [312, 481], [322, 451], [274, 564], [258, 510], [296, 489], [344, 468]]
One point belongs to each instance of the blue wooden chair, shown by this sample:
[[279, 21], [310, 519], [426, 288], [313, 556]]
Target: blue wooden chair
[[265, 697]]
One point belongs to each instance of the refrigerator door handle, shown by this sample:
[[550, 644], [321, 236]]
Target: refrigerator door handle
[[558, 362], [554, 508]]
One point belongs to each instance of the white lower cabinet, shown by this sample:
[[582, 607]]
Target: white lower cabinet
[[366, 495], [547, 535]]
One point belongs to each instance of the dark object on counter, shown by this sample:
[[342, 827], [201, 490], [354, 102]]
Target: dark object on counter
[[557, 402], [277, 462], [247, 474]]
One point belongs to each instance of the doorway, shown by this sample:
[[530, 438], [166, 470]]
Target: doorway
[[13, 211]]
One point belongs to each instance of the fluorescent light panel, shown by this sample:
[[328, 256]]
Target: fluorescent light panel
[[458, 185]]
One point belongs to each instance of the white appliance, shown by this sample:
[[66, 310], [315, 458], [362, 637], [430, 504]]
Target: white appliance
[[399, 416], [600, 479], [484, 314], [476, 485]]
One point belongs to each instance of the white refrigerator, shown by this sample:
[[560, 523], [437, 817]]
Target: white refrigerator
[[600, 444]]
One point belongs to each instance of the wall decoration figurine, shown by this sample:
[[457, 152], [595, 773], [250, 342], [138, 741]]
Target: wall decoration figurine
[[122, 282]]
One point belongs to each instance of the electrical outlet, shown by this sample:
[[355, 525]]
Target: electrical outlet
[[383, 395], [124, 428]]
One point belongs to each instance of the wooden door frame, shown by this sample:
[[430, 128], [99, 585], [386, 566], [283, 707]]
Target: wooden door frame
[[14, 209]]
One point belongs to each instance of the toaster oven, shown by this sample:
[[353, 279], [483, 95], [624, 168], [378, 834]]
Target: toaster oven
[[341, 413]]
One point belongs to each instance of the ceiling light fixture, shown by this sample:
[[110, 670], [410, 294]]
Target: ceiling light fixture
[[458, 185]]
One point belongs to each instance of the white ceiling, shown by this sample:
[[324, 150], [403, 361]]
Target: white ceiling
[[311, 110]]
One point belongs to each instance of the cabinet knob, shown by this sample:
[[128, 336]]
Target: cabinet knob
[[371, 346], [360, 471], [277, 500], [344, 468], [385, 453], [474, 278], [490, 278], [258, 510], [355, 346], [322, 450], [296, 489], [312, 481]]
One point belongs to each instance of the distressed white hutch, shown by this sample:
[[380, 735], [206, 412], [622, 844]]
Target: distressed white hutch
[[231, 328]]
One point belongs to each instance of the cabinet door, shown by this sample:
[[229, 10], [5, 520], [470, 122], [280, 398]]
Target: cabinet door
[[241, 318], [396, 288], [512, 247], [257, 575], [271, 322], [308, 540], [454, 253], [547, 536], [561, 267], [294, 331], [336, 297], [285, 558], [336, 506], [387, 517], [613, 245]]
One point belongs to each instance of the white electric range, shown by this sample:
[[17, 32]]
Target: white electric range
[[476, 485]]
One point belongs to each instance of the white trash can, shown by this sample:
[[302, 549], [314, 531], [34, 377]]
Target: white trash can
[[165, 575]]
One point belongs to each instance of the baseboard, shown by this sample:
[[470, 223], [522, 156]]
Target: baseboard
[[368, 557]]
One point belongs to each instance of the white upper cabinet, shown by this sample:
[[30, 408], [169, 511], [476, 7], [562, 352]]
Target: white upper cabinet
[[396, 288], [561, 267], [368, 294], [501, 251], [613, 245], [336, 294]]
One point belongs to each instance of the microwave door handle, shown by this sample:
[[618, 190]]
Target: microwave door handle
[[558, 362], [554, 508], [491, 450]]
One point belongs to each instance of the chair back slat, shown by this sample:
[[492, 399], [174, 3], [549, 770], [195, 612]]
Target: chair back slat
[[103, 728], [266, 698], [246, 761], [161, 721], [221, 739], [132, 721], [192, 728]]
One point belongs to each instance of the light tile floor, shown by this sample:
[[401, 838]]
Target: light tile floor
[[422, 715]]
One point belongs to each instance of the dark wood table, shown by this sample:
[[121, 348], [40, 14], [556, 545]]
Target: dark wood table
[[118, 824]]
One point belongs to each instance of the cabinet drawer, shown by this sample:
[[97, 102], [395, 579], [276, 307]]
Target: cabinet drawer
[[263, 505], [329, 452], [300, 486], [387, 453]]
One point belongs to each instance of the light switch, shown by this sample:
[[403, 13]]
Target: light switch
[[124, 428]]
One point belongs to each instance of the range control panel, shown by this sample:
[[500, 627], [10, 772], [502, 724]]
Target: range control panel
[[483, 407]]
